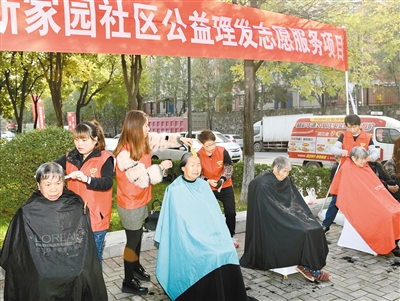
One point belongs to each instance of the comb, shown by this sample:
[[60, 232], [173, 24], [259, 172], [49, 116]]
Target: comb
[[193, 152]]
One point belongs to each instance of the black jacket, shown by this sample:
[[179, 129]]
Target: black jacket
[[107, 170]]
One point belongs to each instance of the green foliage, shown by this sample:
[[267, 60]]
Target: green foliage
[[317, 178], [20, 186], [303, 178], [20, 159]]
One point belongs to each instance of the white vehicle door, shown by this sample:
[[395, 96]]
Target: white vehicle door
[[383, 138]]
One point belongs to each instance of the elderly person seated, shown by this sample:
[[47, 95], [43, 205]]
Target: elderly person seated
[[392, 167], [281, 231], [49, 251], [196, 258], [367, 204]]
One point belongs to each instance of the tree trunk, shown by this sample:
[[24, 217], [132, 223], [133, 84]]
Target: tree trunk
[[53, 73], [248, 134], [18, 112], [132, 81]]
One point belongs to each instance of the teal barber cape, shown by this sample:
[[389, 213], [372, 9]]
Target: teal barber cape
[[192, 235]]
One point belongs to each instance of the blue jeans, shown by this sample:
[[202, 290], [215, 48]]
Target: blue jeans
[[99, 240], [330, 213]]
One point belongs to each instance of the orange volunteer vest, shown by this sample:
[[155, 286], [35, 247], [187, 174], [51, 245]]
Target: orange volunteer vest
[[130, 196], [213, 167], [348, 142], [98, 201]]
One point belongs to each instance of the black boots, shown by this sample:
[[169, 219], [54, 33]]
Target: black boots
[[141, 273], [134, 287]]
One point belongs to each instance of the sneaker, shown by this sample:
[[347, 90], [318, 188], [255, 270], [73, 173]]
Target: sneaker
[[235, 243], [326, 229]]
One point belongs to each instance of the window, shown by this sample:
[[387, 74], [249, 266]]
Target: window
[[384, 135]]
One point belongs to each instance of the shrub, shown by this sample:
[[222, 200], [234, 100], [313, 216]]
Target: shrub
[[303, 178], [20, 158], [317, 178]]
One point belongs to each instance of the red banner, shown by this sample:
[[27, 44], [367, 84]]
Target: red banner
[[71, 121], [168, 28], [40, 112]]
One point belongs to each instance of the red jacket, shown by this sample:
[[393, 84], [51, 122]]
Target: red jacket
[[213, 167], [98, 201]]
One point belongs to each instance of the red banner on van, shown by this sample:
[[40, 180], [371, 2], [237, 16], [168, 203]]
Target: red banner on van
[[313, 136]]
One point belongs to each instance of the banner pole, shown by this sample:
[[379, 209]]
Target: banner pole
[[347, 92], [329, 189]]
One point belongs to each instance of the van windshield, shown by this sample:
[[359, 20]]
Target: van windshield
[[256, 130]]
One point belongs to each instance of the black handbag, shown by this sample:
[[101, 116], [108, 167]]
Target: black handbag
[[150, 222]]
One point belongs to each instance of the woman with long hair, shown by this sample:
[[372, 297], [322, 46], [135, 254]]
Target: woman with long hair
[[135, 176]]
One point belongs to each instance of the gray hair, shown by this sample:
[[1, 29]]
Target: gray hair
[[49, 171], [185, 159], [358, 152], [281, 162]]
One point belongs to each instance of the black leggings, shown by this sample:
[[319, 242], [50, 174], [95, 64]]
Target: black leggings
[[227, 198], [132, 252]]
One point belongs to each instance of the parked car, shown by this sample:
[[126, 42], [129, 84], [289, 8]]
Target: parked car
[[162, 154], [233, 149], [111, 143], [235, 139], [174, 153]]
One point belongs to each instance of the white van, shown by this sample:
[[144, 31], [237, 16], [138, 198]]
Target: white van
[[312, 137]]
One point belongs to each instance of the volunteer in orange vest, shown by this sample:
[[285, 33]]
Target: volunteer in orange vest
[[135, 176], [353, 136], [89, 173], [217, 170]]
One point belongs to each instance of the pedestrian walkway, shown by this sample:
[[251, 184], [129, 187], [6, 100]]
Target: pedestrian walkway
[[355, 276]]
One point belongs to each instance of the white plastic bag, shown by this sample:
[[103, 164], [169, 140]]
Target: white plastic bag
[[311, 197]]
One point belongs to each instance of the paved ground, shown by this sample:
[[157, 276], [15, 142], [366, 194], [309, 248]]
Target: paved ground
[[356, 276]]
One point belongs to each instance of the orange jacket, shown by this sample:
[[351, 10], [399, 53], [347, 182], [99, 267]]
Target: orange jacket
[[98, 201], [348, 142], [130, 196], [213, 167]]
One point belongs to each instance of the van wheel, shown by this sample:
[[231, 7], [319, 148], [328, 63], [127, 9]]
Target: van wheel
[[257, 147], [312, 164], [154, 158]]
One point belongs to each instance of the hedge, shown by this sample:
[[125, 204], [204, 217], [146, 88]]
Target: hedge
[[21, 156], [303, 178]]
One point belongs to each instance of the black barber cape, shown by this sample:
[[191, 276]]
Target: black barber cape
[[281, 231], [49, 252]]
